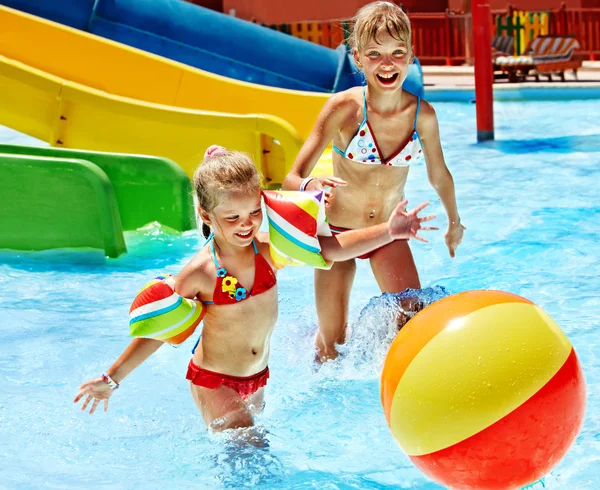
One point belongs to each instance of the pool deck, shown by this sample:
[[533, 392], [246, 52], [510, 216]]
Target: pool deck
[[458, 82]]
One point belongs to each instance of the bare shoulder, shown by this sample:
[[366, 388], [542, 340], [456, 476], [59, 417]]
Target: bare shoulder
[[352, 96], [346, 103], [197, 277], [263, 243], [427, 123], [427, 113]]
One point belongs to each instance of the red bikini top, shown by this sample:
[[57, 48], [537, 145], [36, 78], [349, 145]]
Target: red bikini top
[[228, 290]]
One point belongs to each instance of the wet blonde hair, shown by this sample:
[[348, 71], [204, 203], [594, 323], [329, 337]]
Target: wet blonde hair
[[221, 171], [373, 18]]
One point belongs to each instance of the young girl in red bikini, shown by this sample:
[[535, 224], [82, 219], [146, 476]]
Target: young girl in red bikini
[[235, 278], [378, 131]]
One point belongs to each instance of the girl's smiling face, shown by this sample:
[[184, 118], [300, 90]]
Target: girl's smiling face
[[237, 217], [384, 61]]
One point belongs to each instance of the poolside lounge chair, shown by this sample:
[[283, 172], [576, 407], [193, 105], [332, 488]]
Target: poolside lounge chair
[[544, 55], [502, 46]]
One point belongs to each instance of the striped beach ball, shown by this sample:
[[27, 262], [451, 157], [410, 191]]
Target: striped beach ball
[[483, 390]]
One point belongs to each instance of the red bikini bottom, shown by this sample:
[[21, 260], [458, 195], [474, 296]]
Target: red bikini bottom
[[243, 385]]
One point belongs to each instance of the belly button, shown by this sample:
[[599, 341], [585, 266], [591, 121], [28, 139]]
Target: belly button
[[253, 352], [371, 214]]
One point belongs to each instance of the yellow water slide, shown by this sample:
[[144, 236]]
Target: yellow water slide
[[74, 89], [70, 115]]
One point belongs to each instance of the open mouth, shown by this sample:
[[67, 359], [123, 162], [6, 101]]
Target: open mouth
[[387, 78], [244, 236]]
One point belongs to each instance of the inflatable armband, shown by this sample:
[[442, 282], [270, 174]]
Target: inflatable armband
[[158, 312], [295, 220]]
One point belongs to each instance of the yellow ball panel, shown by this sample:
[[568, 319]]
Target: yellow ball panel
[[477, 370], [424, 326]]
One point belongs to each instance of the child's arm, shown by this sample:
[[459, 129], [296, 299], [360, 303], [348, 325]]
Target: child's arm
[[330, 120], [98, 389], [350, 244], [136, 353], [140, 349], [439, 175]]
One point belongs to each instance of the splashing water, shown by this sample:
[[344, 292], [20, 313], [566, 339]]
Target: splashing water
[[377, 326]]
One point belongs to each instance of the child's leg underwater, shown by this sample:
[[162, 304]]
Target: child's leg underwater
[[223, 408], [395, 271]]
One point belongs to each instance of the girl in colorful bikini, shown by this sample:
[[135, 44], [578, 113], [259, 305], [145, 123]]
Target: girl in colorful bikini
[[228, 370], [377, 131]]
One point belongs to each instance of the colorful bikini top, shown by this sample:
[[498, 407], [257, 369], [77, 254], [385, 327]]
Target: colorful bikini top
[[364, 149], [228, 290]]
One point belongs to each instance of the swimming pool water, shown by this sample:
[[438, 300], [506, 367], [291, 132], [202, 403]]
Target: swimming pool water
[[530, 202]]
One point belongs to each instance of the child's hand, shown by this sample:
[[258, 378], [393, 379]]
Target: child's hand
[[320, 183], [403, 225], [96, 389], [454, 236]]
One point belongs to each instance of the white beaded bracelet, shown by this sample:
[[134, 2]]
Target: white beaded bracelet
[[305, 183], [109, 381]]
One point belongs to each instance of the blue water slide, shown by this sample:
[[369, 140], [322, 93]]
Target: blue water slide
[[212, 41]]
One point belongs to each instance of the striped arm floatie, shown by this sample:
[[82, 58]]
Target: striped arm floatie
[[158, 312], [296, 219]]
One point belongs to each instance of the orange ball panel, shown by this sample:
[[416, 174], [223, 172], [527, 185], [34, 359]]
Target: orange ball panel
[[426, 325], [520, 448]]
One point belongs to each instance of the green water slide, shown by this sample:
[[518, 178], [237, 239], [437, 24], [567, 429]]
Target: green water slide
[[57, 203], [147, 188], [58, 198]]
